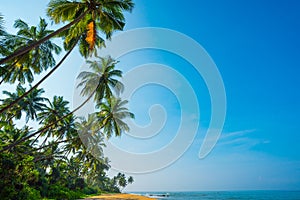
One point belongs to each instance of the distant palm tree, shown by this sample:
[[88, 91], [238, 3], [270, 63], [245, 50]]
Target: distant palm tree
[[130, 180], [85, 17], [35, 61], [111, 116]]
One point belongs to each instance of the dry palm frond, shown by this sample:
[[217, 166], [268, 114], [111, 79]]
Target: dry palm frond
[[91, 35]]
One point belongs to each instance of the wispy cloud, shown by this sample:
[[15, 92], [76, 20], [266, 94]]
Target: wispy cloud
[[237, 133], [241, 140], [237, 140]]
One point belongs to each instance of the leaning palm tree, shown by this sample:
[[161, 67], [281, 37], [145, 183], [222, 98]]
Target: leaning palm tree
[[54, 110], [31, 105], [102, 17], [101, 82], [51, 114], [35, 61], [104, 78], [10, 134], [111, 116], [91, 136], [84, 16]]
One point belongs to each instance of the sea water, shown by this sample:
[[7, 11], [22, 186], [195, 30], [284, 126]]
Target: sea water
[[227, 195]]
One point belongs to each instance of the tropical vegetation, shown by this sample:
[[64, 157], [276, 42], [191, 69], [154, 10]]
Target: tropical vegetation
[[46, 151]]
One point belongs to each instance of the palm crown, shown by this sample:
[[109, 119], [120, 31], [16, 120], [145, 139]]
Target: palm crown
[[112, 115], [31, 105], [35, 61], [101, 81], [93, 16]]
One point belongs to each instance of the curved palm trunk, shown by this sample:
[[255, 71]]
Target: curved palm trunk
[[33, 45], [9, 68], [49, 145], [41, 158], [38, 83], [48, 126]]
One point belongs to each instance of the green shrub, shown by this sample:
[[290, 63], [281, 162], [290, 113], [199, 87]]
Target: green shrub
[[58, 192], [91, 190], [29, 193], [61, 193], [79, 183], [75, 195]]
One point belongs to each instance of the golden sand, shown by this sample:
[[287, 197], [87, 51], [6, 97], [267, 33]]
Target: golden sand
[[120, 197]]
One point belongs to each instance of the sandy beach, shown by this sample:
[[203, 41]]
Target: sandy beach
[[119, 197]]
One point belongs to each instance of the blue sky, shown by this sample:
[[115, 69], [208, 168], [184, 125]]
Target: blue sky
[[256, 47]]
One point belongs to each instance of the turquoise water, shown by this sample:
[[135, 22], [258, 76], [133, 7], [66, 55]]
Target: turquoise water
[[229, 195]]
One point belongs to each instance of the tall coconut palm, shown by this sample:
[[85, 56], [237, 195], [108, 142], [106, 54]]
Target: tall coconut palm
[[40, 58], [101, 81], [51, 114], [87, 145], [112, 115], [31, 105], [107, 16], [54, 110], [102, 16], [10, 134], [90, 135], [37, 84]]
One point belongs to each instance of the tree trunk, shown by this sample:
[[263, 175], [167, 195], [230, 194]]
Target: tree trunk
[[37, 43], [46, 127], [38, 83]]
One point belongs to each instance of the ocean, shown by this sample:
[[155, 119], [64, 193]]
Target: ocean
[[226, 195]]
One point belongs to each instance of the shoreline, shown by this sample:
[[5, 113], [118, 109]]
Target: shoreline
[[121, 196]]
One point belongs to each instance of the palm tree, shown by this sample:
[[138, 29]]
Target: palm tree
[[130, 180], [51, 114], [36, 60], [105, 83], [101, 81], [31, 104], [10, 134], [53, 111], [90, 135], [95, 171], [122, 182], [111, 116], [37, 84], [106, 16]]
